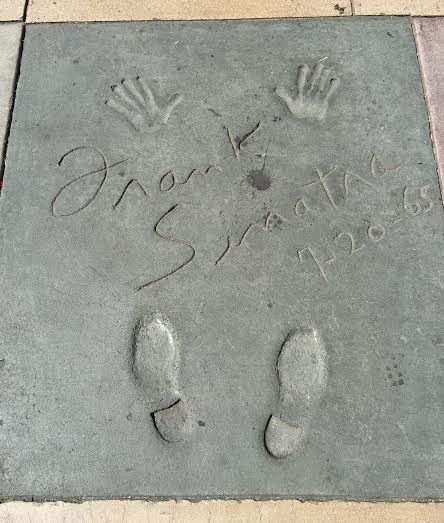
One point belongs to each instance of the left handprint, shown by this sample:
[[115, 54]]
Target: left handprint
[[134, 100]]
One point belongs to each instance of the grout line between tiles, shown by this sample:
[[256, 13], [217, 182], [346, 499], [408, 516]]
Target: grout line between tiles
[[429, 115], [12, 104], [25, 10], [178, 20], [222, 20], [30, 499]]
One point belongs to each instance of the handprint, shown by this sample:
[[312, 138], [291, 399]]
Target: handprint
[[313, 92], [135, 101]]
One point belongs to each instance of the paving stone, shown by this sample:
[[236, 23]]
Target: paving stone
[[430, 39], [10, 35], [399, 7], [100, 10], [11, 10], [220, 511], [221, 267]]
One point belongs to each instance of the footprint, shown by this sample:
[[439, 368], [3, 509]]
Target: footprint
[[155, 366], [302, 373]]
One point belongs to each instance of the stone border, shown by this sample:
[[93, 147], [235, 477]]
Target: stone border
[[222, 511], [112, 10], [429, 34], [399, 7], [12, 10]]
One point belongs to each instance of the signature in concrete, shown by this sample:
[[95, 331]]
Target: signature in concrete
[[135, 101]]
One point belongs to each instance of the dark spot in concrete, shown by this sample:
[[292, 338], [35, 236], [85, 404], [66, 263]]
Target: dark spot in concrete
[[129, 417], [277, 119], [269, 305], [2, 364], [441, 360], [178, 68], [389, 34], [201, 423], [259, 179], [214, 112], [395, 372], [438, 340], [75, 61], [340, 9]]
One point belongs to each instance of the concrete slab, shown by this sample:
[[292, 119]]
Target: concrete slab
[[221, 511], [221, 264], [11, 10], [399, 7], [10, 35], [430, 40], [103, 10]]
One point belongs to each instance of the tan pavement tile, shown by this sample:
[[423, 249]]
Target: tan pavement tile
[[221, 512], [11, 10], [399, 7], [429, 34], [101, 10], [10, 35]]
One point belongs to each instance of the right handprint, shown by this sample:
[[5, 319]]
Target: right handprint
[[313, 92]]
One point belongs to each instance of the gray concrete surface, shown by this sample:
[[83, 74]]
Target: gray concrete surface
[[154, 172]]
